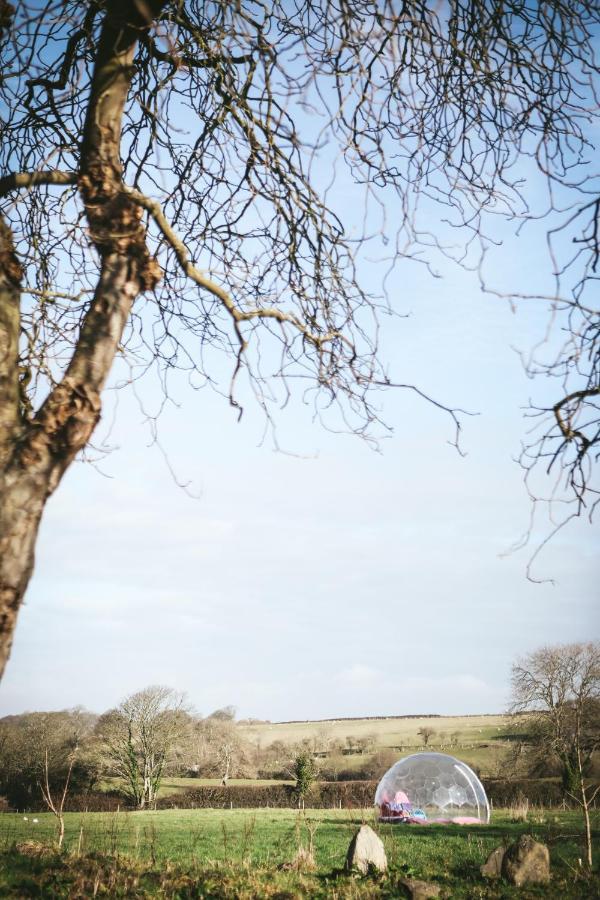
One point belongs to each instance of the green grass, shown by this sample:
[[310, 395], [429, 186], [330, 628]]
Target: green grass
[[238, 851], [487, 760], [174, 784]]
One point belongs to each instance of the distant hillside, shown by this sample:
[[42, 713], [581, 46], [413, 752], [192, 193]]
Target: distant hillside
[[372, 718], [482, 741]]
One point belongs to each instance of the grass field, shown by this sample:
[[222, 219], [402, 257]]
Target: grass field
[[481, 741], [392, 732], [239, 852]]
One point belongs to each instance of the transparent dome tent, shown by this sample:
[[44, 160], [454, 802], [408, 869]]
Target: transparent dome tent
[[432, 787]]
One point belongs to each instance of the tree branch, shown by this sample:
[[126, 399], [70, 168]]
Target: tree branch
[[10, 319], [568, 432], [154, 208], [17, 180], [65, 422], [453, 411]]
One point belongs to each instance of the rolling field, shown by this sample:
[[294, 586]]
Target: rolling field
[[241, 852], [481, 741], [387, 733]]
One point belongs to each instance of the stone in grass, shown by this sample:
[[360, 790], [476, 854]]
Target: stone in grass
[[526, 862], [366, 852], [492, 867], [415, 889]]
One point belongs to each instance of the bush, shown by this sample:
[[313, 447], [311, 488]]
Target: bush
[[505, 792], [305, 773], [240, 796], [87, 801], [276, 775], [348, 795], [502, 793], [321, 795], [363, 774], [96, 801]]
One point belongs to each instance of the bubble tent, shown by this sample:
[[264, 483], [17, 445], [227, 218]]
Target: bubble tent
[[427, 788]]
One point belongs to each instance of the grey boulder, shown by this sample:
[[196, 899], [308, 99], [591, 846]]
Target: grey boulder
[[526, 862], [366, 852], [492, 867], [415, 889]]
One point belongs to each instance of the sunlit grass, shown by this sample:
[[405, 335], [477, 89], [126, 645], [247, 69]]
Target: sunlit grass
[[237, 853], [267, 836], [173, 784]]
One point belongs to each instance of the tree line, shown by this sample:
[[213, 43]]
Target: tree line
[[132, 747], [150, 736], [153, 734]]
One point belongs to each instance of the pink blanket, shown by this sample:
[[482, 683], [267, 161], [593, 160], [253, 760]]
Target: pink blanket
[[457, 820]]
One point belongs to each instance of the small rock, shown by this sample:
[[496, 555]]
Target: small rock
[[366, 851], [419, 890], [526, 862], [492, 867]]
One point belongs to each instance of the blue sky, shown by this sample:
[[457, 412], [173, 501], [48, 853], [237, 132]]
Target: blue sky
[[328, 580], [336, 581]]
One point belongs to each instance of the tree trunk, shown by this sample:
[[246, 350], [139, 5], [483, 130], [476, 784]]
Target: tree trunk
[[21, 505], [61, 830], [147, 789], [570, 776], [36, 451], [21, 500], [46, 446]]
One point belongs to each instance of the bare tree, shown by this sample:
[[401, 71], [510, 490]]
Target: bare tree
[[426, 733], [276, 758], [170, 150], [56, 805], [322, 740], [558, 688], [220, 747], [138, 738], [44, 751], [226, 750], [224, 714]]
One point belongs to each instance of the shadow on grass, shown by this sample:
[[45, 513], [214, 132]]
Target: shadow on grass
[[434, 832], [121, 877]]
